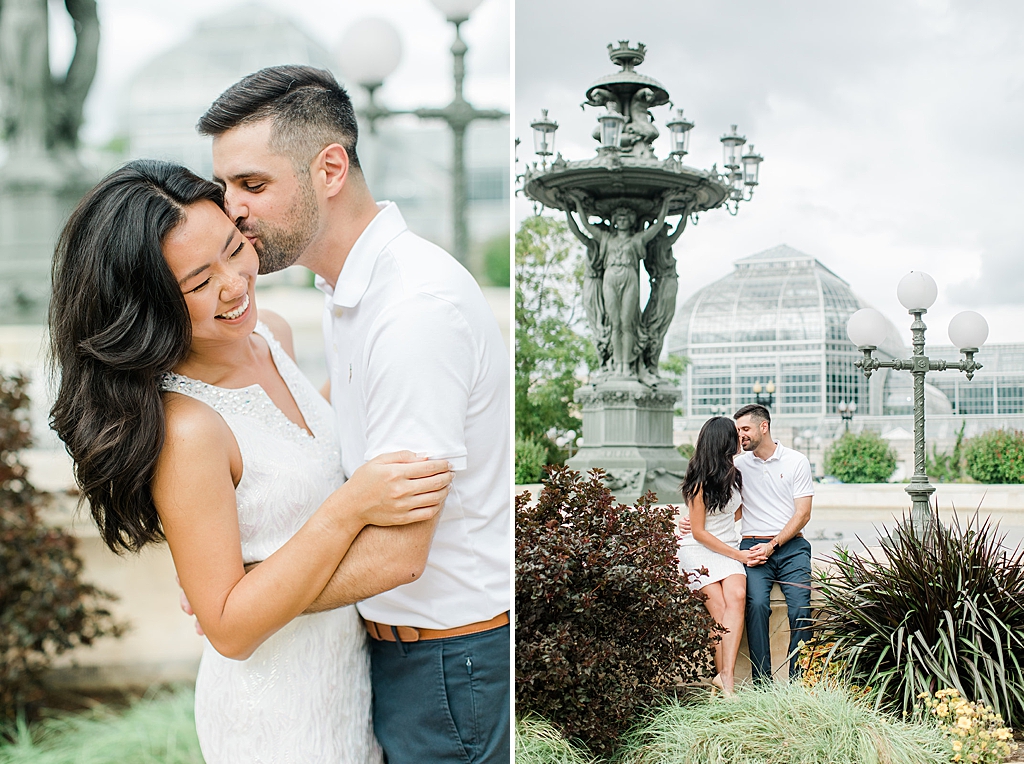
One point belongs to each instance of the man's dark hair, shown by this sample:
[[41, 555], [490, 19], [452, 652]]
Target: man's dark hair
[[757, 412], [309, 110]]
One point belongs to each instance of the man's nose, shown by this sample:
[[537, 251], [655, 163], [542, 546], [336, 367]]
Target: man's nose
[[234, 207]]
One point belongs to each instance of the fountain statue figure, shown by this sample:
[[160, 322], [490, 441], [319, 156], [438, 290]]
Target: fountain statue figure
[[40, 117], [620, 249]]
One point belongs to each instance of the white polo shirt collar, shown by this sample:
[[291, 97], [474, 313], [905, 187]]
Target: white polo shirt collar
[[774, 457], [355, 274]]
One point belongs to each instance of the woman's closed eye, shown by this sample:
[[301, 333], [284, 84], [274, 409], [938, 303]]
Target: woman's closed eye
[[237, 249], [195, 289]]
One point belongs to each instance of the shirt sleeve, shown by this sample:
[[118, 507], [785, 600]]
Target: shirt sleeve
[[420, 368], [803, 484]]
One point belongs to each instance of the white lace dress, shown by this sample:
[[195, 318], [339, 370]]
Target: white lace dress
[[693, 555], [304, 695]]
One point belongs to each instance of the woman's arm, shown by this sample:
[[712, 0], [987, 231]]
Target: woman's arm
[[712, 542], [194, 492]]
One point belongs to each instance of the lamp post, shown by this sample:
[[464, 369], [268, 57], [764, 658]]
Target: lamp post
[[769, 389], [370, 51], [967, 330], [846, 411]]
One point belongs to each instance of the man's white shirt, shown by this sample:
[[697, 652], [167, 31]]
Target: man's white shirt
[[417, 362], [770, 487]]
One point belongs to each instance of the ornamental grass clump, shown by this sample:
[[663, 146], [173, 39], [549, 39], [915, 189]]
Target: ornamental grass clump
[[941, 607], [783, 724], [975, 733], [605, 623], [537, 742], [45, 609], [157, 729]]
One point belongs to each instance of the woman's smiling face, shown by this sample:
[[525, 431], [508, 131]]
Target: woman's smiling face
[[215, 267]]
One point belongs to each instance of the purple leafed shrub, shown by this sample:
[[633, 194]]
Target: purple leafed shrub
[[605, 624], [44, 608]]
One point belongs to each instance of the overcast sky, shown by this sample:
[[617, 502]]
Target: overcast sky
[[892, 132], [135, 31]]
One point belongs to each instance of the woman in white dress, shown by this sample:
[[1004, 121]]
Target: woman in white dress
[[711, 550], [188, 421]]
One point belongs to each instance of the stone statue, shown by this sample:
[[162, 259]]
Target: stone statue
[[639, 132], [42, 114], [593, 299], [43, 177], [620, 251], [661, 306]]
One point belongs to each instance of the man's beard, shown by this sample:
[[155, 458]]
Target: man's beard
[[280, 247]]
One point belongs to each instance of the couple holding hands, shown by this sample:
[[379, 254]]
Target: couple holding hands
[[768, 489]]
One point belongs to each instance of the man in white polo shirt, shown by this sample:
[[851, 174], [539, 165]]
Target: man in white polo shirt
[[416, 362], [777, 492]]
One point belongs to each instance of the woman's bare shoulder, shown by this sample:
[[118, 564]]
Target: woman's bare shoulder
[[192, 427], [281, 330]]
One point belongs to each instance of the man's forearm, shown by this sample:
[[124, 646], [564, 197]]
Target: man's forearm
[[378, 560], [796, 523]]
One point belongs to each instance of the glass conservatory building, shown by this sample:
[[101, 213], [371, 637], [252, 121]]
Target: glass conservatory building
[[780, 317]]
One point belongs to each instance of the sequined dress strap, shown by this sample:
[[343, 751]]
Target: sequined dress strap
[[252, 401]]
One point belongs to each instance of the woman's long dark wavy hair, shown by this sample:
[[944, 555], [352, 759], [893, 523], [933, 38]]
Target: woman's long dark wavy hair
[[711, 468], [118, 320]]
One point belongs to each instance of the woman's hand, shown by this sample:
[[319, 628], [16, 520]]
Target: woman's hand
[[744, 556], [396, 489]]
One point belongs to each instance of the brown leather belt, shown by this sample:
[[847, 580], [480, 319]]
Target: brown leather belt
[[769, 538], [384, 633]]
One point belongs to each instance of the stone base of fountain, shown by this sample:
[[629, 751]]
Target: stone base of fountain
[[627, 432]]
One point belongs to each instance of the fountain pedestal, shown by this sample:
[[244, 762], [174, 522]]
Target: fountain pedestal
[[36, 195], [627, 432]]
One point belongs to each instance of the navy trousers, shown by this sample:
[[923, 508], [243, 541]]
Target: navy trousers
[[790, 567], [443, 700]]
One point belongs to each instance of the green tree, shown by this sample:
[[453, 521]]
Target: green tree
[[496, 260], [673, 368], [947, 468], [551, 354], [861, 458]]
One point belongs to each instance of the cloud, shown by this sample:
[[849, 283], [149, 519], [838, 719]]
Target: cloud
[[890, 128]]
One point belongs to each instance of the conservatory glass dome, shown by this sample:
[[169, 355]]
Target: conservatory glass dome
[[779, 317]]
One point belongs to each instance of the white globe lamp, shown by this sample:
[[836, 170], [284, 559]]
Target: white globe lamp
[[867, 328], [456, 11], [968, 330], [917, 291], [369, 51]]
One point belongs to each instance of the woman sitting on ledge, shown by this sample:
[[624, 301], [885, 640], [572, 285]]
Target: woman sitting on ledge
[[711, 490]]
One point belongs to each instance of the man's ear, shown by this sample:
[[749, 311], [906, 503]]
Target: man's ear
[[332, 166]]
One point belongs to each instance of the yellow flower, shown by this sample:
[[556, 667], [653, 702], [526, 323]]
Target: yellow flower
[[957, 745]]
